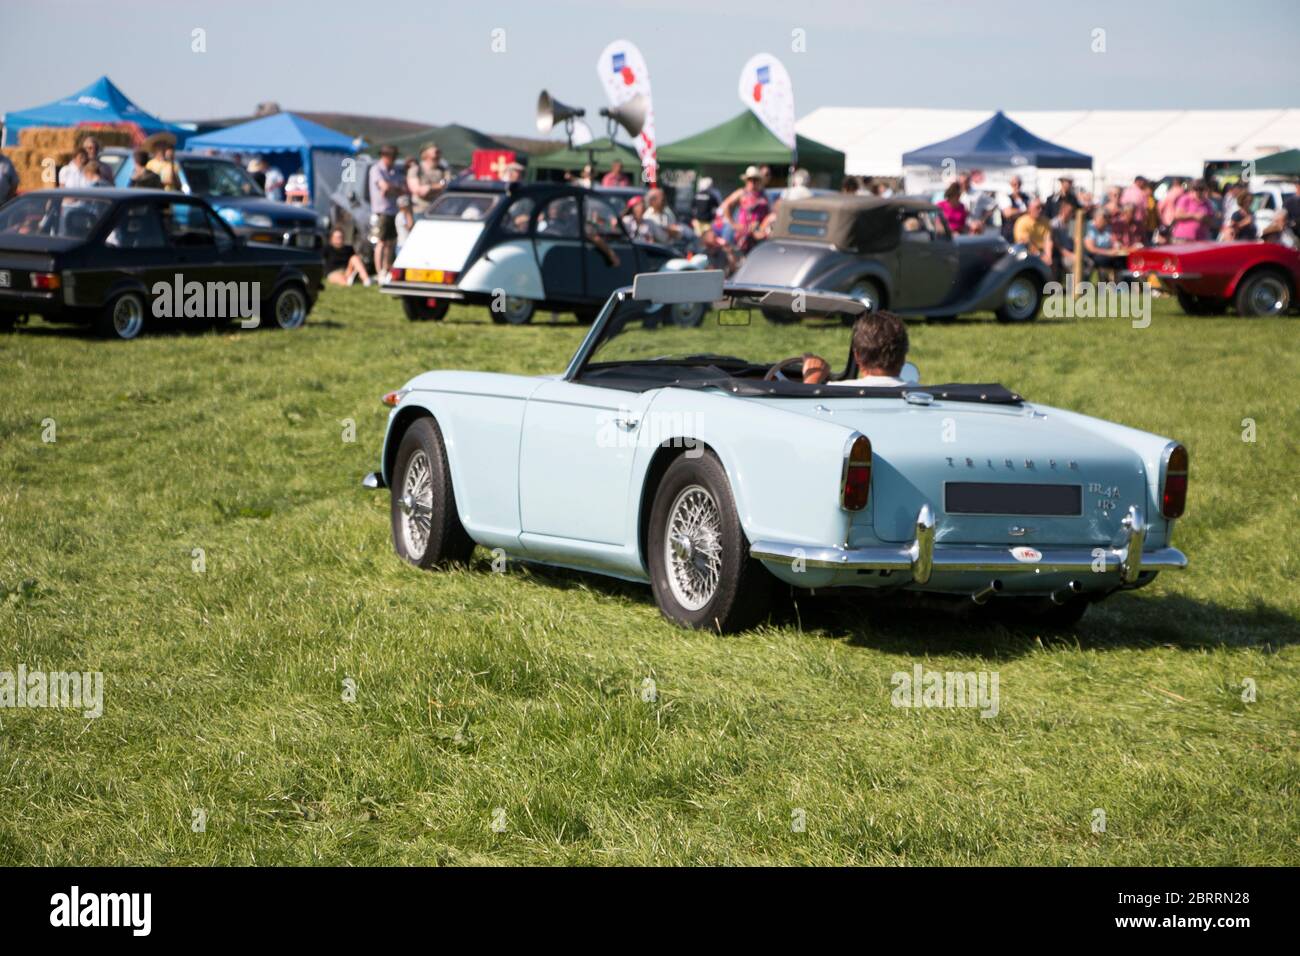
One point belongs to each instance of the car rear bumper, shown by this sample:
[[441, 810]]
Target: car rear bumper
[[422, 290], [25, 300], [298, 238], [923, 557]]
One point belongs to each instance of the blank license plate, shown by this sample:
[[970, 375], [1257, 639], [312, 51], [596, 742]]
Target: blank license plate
[[1011, 498]]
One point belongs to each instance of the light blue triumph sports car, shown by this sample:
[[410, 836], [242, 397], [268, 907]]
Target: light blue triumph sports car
[[680, 454]]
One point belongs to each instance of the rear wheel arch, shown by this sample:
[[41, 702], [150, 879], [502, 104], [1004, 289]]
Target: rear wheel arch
[[668, 451]]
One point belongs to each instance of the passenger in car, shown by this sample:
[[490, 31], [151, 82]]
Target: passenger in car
[[879, 348]]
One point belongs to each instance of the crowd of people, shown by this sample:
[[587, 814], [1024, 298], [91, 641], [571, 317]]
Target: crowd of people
[[1126, 218], [725, 228]]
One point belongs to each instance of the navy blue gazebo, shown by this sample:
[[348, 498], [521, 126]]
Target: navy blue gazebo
[[998, 141]]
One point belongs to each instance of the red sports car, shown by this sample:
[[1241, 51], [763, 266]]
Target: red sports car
[[1258, 278]]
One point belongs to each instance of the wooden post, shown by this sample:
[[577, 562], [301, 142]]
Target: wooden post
[[1078, 251]]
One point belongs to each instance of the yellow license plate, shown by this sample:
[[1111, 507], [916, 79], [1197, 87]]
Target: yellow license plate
[[427, 275]]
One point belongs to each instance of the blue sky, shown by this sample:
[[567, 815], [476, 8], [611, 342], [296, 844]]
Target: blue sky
[[432, 60]]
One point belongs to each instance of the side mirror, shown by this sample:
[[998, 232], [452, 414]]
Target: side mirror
[[910, 374]]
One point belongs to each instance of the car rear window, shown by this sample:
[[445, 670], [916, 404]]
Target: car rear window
[[54, 215], [462, 206]]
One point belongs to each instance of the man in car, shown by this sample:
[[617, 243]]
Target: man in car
[[879, 348]]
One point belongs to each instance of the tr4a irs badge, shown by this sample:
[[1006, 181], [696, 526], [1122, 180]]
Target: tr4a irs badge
[[1027, 555]]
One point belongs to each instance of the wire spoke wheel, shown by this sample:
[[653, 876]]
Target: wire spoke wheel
[[416, 503], [693, 547]]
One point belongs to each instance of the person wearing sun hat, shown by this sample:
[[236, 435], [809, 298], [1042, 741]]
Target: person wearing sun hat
[[751, 207]]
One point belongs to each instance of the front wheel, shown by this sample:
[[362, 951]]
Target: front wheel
[[425, 310], [700, 568], [688, 315], [426, 528], [1023, 298], [123, 317], [1264, 294]]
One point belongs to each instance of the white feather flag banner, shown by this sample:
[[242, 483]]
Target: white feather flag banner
[[766, 89]]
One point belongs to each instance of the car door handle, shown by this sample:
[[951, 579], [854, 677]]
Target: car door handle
[[626, 422]]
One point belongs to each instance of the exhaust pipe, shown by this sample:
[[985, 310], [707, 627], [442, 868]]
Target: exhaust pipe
[[1062, 595], [986, 592]]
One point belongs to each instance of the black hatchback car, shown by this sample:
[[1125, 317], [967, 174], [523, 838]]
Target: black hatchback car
[[120, 258], [518, 247]]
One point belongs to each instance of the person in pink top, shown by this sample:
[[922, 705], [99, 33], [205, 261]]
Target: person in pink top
[[1135, 193], [1192, 215], [953, 210]]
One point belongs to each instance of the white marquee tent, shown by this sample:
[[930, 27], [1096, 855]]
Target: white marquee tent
[[1123, 143]]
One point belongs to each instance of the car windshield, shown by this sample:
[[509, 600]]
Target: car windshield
[[455, 205], [53, 214], [742, 335], [207, 177]]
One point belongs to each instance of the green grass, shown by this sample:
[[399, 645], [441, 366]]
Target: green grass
[[523, 691]]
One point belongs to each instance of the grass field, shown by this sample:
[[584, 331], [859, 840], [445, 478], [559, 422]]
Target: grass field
[[502, 718]]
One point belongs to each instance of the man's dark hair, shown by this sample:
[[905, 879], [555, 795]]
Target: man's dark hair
[[880, 342], [388, 149]]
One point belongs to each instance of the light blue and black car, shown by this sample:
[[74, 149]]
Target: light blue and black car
[[899, 254], [695, 459]]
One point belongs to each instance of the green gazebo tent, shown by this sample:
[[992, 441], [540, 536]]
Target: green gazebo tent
[[1285, 163], [456, 142], [600, 152], [744, 141]]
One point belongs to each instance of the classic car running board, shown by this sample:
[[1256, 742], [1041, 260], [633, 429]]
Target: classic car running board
[[923, 556]]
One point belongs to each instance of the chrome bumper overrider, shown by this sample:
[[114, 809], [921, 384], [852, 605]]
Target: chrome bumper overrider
[[922, 557], [373, 481]]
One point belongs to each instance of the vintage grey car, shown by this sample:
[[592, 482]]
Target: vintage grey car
[[899, 254]]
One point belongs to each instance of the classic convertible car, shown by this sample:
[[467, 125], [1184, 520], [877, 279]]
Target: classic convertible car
[[117, 258], [516, 248], [684, 456], [899, 254], [1258, 278]]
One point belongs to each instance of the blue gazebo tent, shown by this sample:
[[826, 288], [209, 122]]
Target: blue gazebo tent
[[101, 103], [998, 141], [997, 147], [292, 144]]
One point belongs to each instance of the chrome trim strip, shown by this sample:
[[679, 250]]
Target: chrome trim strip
[[426, 291]]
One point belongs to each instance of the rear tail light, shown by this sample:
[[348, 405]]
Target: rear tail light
[[856, 486], [45, 280], [1169, 265], [1173, 494], [396, 274]]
